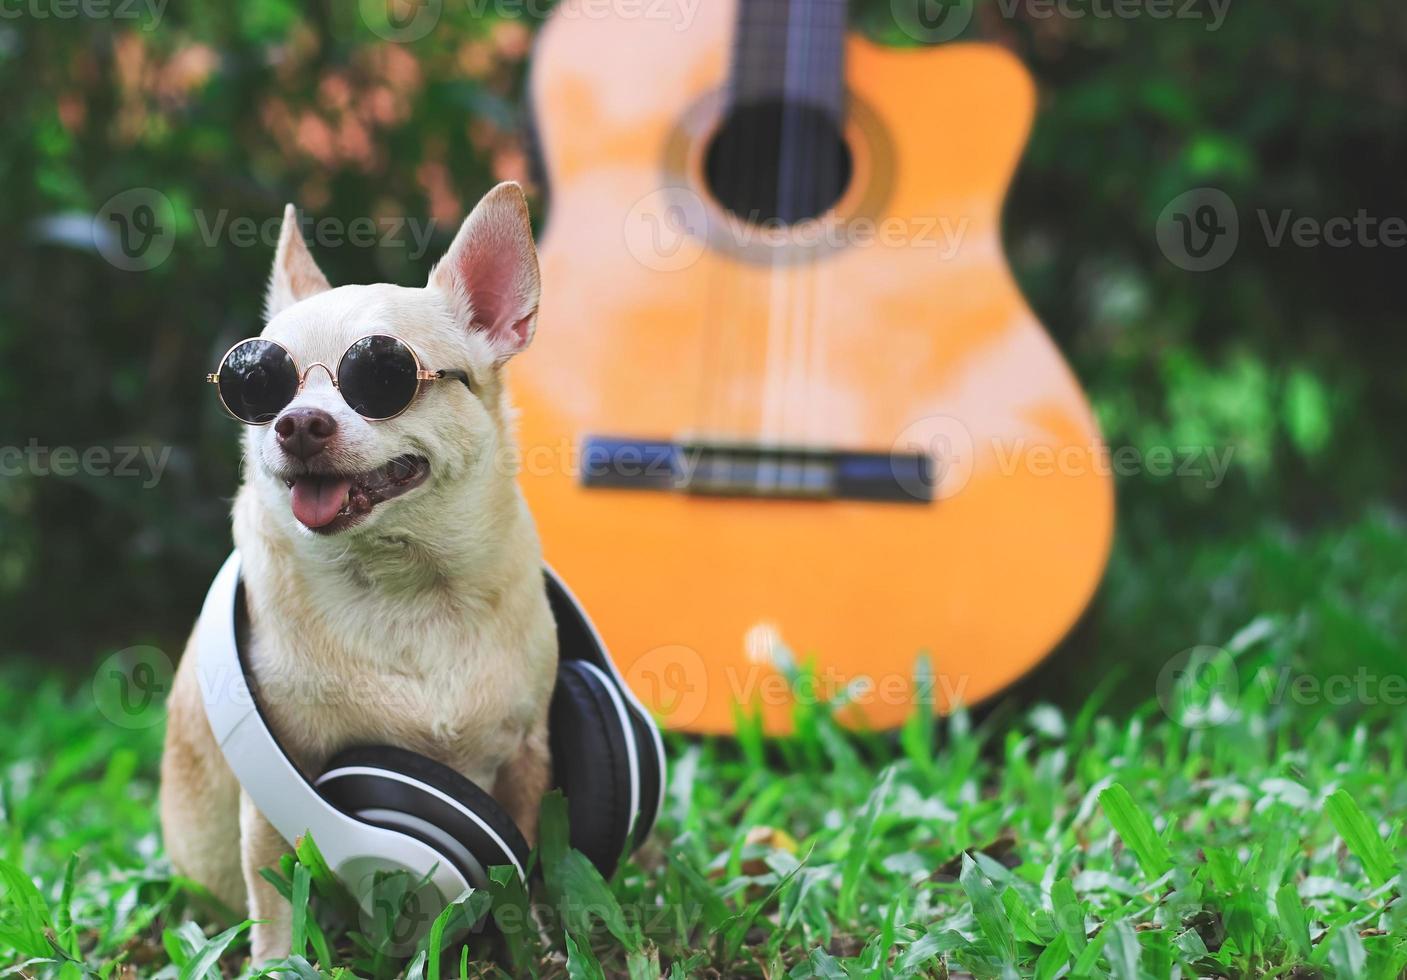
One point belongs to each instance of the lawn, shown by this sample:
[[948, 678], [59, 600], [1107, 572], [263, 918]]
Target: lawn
[[1242, 817]]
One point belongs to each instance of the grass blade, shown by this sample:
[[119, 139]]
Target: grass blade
[[987, 908], [857, 855], [464, 911], [1069, 916], [1293, 926], [26, 915], [581, 962], [1122, 950], [299, 900], [208, 955], [1135, 830], [1361, 836]]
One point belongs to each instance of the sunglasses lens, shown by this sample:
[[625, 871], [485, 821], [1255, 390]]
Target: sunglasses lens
[[257, 380], [377, 377]]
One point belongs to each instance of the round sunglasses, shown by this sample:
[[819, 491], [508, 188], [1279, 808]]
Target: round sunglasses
[[378, 376]]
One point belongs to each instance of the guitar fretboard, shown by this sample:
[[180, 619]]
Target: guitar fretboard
[[790, 50]]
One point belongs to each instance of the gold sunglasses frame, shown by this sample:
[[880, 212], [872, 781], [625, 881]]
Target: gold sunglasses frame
[[422, 376]]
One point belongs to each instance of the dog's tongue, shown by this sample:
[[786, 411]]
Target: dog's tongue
[[317, 499]]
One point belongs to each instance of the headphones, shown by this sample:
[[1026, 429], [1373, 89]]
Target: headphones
[[379, 808]]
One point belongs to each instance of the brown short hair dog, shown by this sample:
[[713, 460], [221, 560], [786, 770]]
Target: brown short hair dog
[[411, 617]]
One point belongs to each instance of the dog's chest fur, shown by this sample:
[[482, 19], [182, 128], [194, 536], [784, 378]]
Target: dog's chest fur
[[461, 678]]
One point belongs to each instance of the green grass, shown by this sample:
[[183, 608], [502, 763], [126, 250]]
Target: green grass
[[1097, 840], [1052, 845]]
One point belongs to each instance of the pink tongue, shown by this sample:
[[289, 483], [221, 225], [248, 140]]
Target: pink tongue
[[316, 500]]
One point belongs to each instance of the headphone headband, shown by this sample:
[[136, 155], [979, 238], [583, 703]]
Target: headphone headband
[[275, 785], [387, 809]]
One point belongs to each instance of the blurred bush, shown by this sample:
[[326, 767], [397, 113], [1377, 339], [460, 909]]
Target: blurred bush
[[1289, 357]]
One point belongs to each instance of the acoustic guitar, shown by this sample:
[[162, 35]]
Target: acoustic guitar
[[790, 431]]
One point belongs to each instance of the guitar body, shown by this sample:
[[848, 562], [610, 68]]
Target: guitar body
[[662, 316]]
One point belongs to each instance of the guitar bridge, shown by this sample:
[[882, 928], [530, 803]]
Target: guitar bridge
[[739, 469]]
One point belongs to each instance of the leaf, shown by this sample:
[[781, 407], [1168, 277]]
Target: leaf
[[1084, 963], [822, 965], [857, 855], [987, 908], [67, 934], [554, 839], [643, 964], [513, 916], [1361, 836], [735, 932], [1135, 830], [1293, 926], [1122, 950], [326, 885], [296, 966], [586, 896], [464, 911], [208, 955], [715, 910], [582, 963], [917, 735], [1052, 960], [25, 915], [280, 883], [1346, 953], [302, 882], [183, 942], [921, 951], [1023, 923], [1069, 916]]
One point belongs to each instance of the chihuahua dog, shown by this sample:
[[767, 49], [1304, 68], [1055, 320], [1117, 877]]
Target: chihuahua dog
[[392, 572]]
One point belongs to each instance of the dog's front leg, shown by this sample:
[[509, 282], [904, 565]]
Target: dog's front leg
[[521, 781], [261, 847]]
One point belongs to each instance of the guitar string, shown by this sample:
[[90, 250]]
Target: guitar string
[[795, 367], [812, 206], [798, 261], [721, 288], [822, 189], [819, 402], [773, 396], [728, 288], [753, 412], [782, 326]]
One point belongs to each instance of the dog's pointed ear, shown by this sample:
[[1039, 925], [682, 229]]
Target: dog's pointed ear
[[490, 271], [296, 276]]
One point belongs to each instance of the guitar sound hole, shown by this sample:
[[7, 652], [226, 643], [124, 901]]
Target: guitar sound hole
[[778, 161]]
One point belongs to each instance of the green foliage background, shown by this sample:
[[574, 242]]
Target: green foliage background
[[1291, 357]]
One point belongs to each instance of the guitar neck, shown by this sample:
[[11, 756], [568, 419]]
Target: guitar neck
[[790, 51]]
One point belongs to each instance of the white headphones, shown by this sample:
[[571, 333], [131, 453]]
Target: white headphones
[[380, 808]]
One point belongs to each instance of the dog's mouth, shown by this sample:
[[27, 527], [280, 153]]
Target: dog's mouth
[[332, 502]]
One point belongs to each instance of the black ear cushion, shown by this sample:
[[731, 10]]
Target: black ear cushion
[[578, 641], [650, 774], [591, 764], [351, 792]]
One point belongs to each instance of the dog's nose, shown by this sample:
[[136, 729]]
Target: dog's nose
[[305, 432]]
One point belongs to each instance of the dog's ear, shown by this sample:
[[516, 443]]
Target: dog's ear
[[296, 276], [490, 271]]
